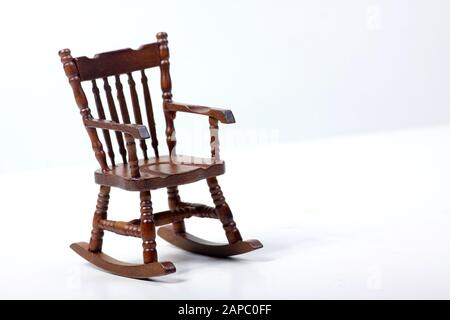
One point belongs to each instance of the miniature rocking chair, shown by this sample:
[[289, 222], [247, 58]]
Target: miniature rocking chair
[[149, 173]]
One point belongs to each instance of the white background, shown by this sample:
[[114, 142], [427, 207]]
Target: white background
[[344, 106]]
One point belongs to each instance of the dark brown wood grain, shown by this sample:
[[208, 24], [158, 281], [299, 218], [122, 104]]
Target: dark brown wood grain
[[102, 116], [115, 118], [134, 229], [161, 172], [214, 141], [223, 115], [120, 268], [171, 139], [133, 161], [136, 110], [166, 81], [197, 245], [73, 75], [122, 102], [166, 87], [223, 211], [148, 228], [174, 203], [149, 112], [137, 131], [149, 173], [118, 62], [120, 227], [95, 244]]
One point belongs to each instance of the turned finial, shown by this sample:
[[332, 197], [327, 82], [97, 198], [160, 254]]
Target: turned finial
[[64, 54], [69, 66], [72, 74], [162, 37]]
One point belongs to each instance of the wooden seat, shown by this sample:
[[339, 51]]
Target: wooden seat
[[144, 173], [160, 173]]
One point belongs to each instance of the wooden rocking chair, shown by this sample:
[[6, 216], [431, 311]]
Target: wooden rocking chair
[[148, 173]]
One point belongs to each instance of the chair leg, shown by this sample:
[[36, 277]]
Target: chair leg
[[95, 244], [174, 201], [223, 211], [148, 228], [92, 251], [177, 235]]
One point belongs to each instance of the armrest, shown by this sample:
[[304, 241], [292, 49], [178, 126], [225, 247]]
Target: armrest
[[222, 115], [137, 131]]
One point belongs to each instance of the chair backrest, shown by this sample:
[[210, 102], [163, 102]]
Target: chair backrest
[[107, 68]]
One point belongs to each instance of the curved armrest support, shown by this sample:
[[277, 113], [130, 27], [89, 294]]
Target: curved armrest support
[[137, 131], [222, 115]]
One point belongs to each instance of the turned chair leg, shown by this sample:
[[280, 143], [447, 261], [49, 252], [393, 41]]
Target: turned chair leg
[[148, 228], [223, 211], [92, 251], [174, 201], [177, 235], [95, 244]]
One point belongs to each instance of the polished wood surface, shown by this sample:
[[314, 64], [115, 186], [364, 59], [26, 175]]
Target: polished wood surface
[[149, 112], [118, 62], [223, 211], [102, 117], [137, 131], [160, 172], [197, 245], [174, 201], [101, 210], [134, 228], [114, 118], [120, 268], [116, 73], [148, 232], [137, 111], [223, 115]]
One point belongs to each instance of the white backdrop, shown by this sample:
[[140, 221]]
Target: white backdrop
[[288, 69]]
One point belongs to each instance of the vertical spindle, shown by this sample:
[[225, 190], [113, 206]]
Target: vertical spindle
[[214, 132], [166, 87], [115, 118], [148, 228], [122, 102], [129, 140], [132, 156], [136, 110], [149, 112], [101, 115]]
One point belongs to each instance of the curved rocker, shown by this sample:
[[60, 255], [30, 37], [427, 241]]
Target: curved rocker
[[120, 268], [191, 243]]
